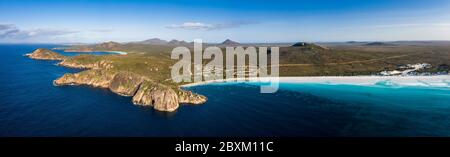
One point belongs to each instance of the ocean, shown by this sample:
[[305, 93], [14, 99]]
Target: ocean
[[31, 106]]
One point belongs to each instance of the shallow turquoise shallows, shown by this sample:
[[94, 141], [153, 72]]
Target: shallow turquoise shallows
[[31, 106]]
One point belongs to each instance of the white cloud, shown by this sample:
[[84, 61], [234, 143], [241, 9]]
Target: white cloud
[[413, 25], [204, 26], [6, 26], [191, 26], [101, 30], [10, 31]]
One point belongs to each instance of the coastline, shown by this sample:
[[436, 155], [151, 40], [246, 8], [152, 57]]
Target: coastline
[[435, 80], [118, 52], [143, 90]]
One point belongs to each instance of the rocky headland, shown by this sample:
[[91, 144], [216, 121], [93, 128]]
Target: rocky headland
[[45, 54], [101, 73]]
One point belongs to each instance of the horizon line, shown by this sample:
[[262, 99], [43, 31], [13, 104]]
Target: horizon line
[[287, 42]]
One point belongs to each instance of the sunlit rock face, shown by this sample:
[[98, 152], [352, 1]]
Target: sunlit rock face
[[45, 54], [161, 97], [125, 83], [189, 97], [95, 78]]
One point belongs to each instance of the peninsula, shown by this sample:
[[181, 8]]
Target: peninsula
[[108, 72]]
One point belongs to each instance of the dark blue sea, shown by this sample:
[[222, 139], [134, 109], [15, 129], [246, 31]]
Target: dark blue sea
[[31, 106]]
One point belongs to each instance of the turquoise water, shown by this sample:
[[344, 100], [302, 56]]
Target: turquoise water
[[342, 110], [31, 106]]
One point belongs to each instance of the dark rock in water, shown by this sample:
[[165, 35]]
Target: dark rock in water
[[45, 54], [230, 42]]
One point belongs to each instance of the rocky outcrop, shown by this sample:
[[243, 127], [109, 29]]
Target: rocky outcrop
[[161, 97], [45, 54], [145, 92], [229, 42], [125, 83], [70, 63], [189, 97], [95, 78]]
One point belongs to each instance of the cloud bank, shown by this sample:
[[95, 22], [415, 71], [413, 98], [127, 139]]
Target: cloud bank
[[10, 31], [205, 26]]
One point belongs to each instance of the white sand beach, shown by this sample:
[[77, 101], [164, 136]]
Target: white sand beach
[[118, 52], [435, 81]]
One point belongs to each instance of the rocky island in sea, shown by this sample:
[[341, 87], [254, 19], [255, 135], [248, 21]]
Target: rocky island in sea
[[101, 72]]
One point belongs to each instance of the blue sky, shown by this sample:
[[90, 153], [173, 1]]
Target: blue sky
[[53, 21]]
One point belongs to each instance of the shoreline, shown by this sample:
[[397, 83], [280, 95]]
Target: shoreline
[[435, 80], [117, 52]]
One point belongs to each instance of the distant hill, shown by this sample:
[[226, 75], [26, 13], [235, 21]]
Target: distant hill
[[109, 45], [356, 42], [153, 41], [178, 42], [379, 44], [157, 41], [230, 42], [45, 54], [309, 46]]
